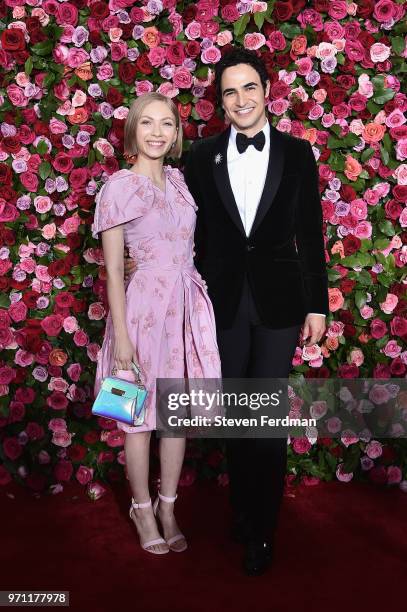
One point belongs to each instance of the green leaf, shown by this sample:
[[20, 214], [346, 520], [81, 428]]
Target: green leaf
[[351, 140], [381, 243], [387, 228], [333, 275], [358, 259], [384, 96], [290, 30], [28, 66], [372, 107], [360, 299], [387, 142], [42, 147], [4, 301], [240, 25], [397, 44], [42, 48], [44, 170], [363, 278], [367, 154], [384, 155], [259, 19], [336, 161]]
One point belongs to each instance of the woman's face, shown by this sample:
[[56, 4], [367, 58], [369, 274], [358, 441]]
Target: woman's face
[[156, 130]]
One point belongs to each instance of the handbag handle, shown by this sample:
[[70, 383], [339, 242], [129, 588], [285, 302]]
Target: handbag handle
[[136, 369]]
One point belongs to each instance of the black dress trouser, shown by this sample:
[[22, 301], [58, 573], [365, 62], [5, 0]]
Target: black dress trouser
[[256, 466]]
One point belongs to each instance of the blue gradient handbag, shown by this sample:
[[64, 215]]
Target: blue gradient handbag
[[122, 400]]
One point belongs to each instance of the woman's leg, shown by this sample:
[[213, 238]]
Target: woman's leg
[[137, 451], [172, 451]]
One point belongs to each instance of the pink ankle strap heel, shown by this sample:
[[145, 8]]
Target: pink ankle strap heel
[[146, 545], [178, 536]]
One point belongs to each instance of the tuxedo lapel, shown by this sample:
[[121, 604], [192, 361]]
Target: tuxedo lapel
[[273, 177], [222, 180]]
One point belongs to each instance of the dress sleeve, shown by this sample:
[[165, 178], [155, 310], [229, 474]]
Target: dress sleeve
[[124, 197]]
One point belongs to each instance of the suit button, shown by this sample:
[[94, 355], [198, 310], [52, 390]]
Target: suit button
[[249, 247]]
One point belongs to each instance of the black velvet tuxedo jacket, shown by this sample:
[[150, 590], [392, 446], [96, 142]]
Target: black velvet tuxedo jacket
[[283, 257]]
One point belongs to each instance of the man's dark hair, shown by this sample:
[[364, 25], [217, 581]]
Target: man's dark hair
[[239, 56]]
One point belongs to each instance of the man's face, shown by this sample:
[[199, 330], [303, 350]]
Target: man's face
[[243, 98]]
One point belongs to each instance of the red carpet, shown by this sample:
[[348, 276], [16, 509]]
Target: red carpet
[[339, 547]]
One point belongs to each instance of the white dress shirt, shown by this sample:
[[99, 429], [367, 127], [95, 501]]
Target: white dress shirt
[[247, 174]]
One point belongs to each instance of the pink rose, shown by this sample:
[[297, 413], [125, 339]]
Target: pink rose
[[95, 490], [254, 41], [193, 30], [379, 52], [61, 438], [205, 109], [182, 78], [394, 474], [74, 371], [42, 204], [30, 181], [301, 445], [143, 87], [80, 338], [70, 225], [349, 437], [96, 312], [374, 449], [57, 425], [211, 55], [157, 56], [356, 356], [392, 349], [84, 474], [390, 303], [168, 89], [343, 476], [224, 38], [378, 329], [277, 41], [16, 96]]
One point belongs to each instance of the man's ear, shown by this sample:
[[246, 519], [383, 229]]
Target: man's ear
[[267, 91]]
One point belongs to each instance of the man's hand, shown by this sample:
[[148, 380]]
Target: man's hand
[[314, 329], [130, 265]]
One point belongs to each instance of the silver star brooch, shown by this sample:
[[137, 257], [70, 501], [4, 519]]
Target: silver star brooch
[[218, 158]]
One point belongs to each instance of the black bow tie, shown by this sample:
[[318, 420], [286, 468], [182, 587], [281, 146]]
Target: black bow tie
[[243, 141]]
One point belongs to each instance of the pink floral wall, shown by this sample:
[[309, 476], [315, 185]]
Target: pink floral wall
[[69, 71]]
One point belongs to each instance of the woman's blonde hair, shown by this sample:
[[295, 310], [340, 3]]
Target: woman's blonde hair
[[135, 112]]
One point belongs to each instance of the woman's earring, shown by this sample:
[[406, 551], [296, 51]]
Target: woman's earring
[[130, 159], [173, 145]]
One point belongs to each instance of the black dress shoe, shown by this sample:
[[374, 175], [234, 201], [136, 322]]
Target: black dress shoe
[[257, 557]]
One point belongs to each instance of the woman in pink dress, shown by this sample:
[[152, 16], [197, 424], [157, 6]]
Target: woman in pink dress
[[162, 318]]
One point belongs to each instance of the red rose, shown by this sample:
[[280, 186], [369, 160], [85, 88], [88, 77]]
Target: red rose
[[347, 193], [136, 15], [78, 178], [176, 53], [347, 286], [34, 431], [5, 174], [143, 64], [398, 326], [63, 471], [91, 437], [397, 367], [12, 448], [25, 395], [351, 244], [279, 90], [400, 193], [13, 40], [378, 329], [230, 13], [62, 162], [192, 48], [114, 96], [336, 95], [76, 452], [127, 72], [393, 209], [283, 11], [189, 13], [57, 400], [52, 325], [99, 10], [348, 371]]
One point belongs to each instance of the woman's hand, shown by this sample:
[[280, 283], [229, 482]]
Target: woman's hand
[[124, 353]]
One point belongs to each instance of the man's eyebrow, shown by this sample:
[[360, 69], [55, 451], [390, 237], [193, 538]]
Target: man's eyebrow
[[244, 86]]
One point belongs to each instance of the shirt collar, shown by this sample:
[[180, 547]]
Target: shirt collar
[[233, 132]]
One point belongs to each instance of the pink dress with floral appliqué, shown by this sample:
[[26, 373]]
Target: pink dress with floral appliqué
[[169, 315]]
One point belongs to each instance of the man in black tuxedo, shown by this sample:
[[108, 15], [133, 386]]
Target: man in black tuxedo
[[260, 248]]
